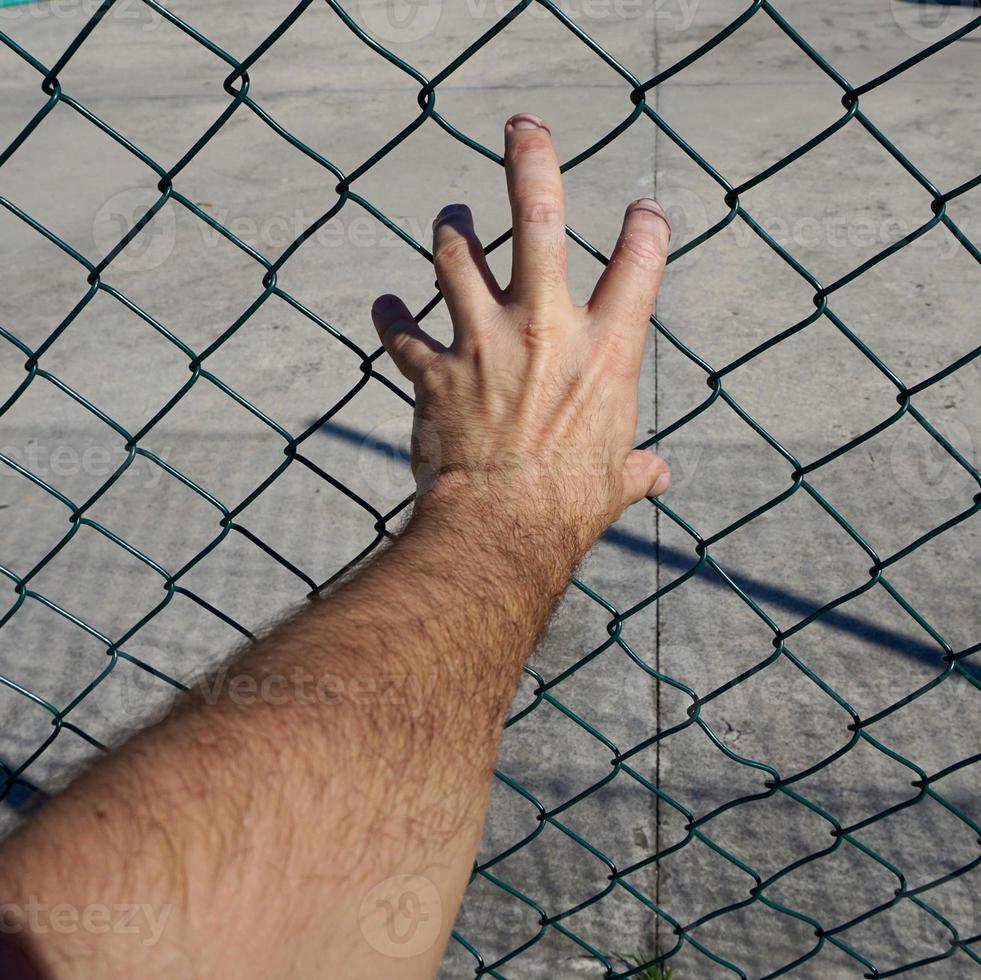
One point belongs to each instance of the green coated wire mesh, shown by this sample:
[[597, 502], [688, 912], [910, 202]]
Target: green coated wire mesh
[[95, 278]]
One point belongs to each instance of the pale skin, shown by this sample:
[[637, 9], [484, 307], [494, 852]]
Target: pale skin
[[282, 838]]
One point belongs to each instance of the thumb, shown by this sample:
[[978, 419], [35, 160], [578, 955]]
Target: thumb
[[409, 346], [645, 474]]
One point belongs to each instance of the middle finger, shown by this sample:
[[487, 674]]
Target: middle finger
[[539, 271]]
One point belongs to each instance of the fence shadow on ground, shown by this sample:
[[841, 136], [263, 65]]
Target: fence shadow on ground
[[680, 561]]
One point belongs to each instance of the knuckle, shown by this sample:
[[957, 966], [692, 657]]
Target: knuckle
[[430, 376], [620, 354], [453, 254], [397, 340], [426, 374], [643, 248], [536, 327], [539, 208]]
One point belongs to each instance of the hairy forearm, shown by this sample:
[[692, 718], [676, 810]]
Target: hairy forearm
[[352, 746], [336, 776]]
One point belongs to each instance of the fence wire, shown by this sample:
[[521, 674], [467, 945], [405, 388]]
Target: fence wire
[[95, 278]]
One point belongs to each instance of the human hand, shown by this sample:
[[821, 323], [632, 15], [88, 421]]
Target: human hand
[[534, 404]]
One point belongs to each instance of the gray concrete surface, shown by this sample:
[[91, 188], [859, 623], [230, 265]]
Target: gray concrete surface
[[743, 106]]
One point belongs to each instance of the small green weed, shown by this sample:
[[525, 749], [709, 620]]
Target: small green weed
[[653, 972]]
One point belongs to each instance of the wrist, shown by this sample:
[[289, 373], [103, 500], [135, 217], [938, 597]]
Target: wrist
[[504, 521]]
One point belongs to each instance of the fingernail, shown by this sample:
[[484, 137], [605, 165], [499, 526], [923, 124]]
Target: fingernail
[[661, 484], [526, 120], [648, 204], [450, 211]]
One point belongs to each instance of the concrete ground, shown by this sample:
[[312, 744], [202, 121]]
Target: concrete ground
[[743, 106]]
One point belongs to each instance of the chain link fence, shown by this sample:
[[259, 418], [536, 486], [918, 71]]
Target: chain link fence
[[230, 516]]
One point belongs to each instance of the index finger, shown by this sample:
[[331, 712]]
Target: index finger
[[539, 269]]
